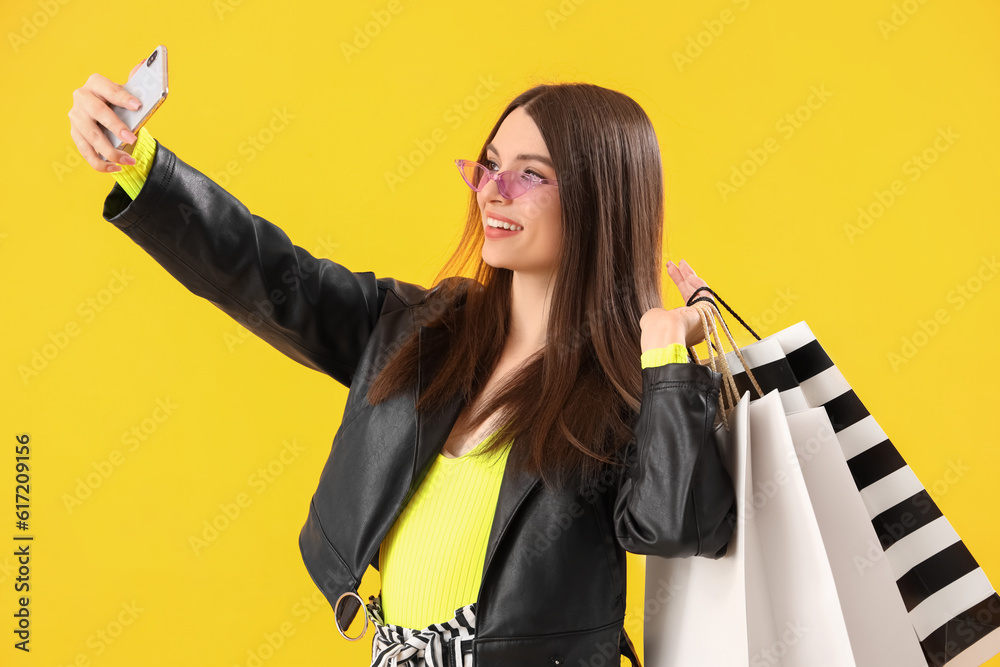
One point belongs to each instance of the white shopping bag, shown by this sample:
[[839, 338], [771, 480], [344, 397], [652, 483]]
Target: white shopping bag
[[876, 619], [702, 621], [805, 609], [771, 600]]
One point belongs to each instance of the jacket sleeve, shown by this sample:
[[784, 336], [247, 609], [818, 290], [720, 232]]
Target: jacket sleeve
[[675, 496], [313, 310]]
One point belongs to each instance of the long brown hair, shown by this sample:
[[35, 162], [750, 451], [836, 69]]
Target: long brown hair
[[570, 408]]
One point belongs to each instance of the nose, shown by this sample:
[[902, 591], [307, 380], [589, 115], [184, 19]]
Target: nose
[[491, 191]]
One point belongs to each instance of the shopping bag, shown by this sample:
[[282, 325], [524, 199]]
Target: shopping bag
[[771, 599], [950, 604], [876, 620], [691, 603], [804, 603]]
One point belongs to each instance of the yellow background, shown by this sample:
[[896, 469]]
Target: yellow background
[[778, 250]]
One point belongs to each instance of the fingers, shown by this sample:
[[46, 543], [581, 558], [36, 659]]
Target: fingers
[[91, 112], [90, 140], [688, 275], [686, 279], [680, 273], [103, 114], [95, 159], [89, 154], [82, 119], [676, 274], [107, 90]]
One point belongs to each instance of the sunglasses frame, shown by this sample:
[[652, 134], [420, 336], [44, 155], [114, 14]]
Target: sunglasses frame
[[501, 179]]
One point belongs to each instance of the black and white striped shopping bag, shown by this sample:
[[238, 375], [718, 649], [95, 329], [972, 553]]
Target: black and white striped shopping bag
[[954, 609]]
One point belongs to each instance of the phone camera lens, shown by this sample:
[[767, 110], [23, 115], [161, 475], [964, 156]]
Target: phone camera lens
[[149, 61]]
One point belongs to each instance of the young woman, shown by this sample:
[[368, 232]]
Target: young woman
[[507, 436]]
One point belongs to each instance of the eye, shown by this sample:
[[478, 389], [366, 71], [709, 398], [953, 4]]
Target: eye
[[492, 166]]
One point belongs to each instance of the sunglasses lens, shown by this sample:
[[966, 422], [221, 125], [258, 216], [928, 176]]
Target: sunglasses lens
[[474, 174], [511, 184]]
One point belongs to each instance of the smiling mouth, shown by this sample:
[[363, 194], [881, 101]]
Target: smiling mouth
[[499, 224]]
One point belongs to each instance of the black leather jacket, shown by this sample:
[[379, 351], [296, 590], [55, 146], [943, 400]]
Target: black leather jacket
[[553, 585]]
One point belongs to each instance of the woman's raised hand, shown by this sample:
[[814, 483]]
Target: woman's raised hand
[[686, 279], [92, 109], [679, 325]]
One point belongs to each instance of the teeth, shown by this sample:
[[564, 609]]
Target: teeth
[[502, 225]]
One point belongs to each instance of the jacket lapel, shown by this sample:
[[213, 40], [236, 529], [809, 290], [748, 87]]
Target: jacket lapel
[[433, 431], [514, 489]]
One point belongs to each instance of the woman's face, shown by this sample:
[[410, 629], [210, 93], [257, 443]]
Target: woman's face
[[534, 250]]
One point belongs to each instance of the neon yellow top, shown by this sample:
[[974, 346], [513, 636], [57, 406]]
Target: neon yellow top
[[431, 561]]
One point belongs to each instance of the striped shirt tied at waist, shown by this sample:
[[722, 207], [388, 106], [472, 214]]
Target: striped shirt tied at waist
[[447, 644]]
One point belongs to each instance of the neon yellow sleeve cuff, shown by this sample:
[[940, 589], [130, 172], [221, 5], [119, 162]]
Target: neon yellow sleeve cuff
[[675, 353], [131, 177]]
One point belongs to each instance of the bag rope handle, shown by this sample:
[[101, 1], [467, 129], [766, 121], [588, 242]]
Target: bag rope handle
[[708, 314], [691, 300]]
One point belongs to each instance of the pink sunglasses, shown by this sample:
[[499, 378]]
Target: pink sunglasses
[[510, 183]]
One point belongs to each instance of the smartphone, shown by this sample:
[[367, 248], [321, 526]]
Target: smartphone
[[149, 84]]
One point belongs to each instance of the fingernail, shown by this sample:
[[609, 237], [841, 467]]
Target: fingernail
[[133, 103], [129, 137], [128, 160], [114, 167]]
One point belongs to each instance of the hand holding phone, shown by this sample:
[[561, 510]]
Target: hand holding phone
[[149, 85], [101, 119]]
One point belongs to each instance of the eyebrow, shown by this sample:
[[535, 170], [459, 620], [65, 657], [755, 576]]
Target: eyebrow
[[526, 157]]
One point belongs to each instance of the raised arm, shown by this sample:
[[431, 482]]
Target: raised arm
[[311, 309]]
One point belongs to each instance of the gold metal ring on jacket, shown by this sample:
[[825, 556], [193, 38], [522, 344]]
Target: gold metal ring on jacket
[[336, 618]]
